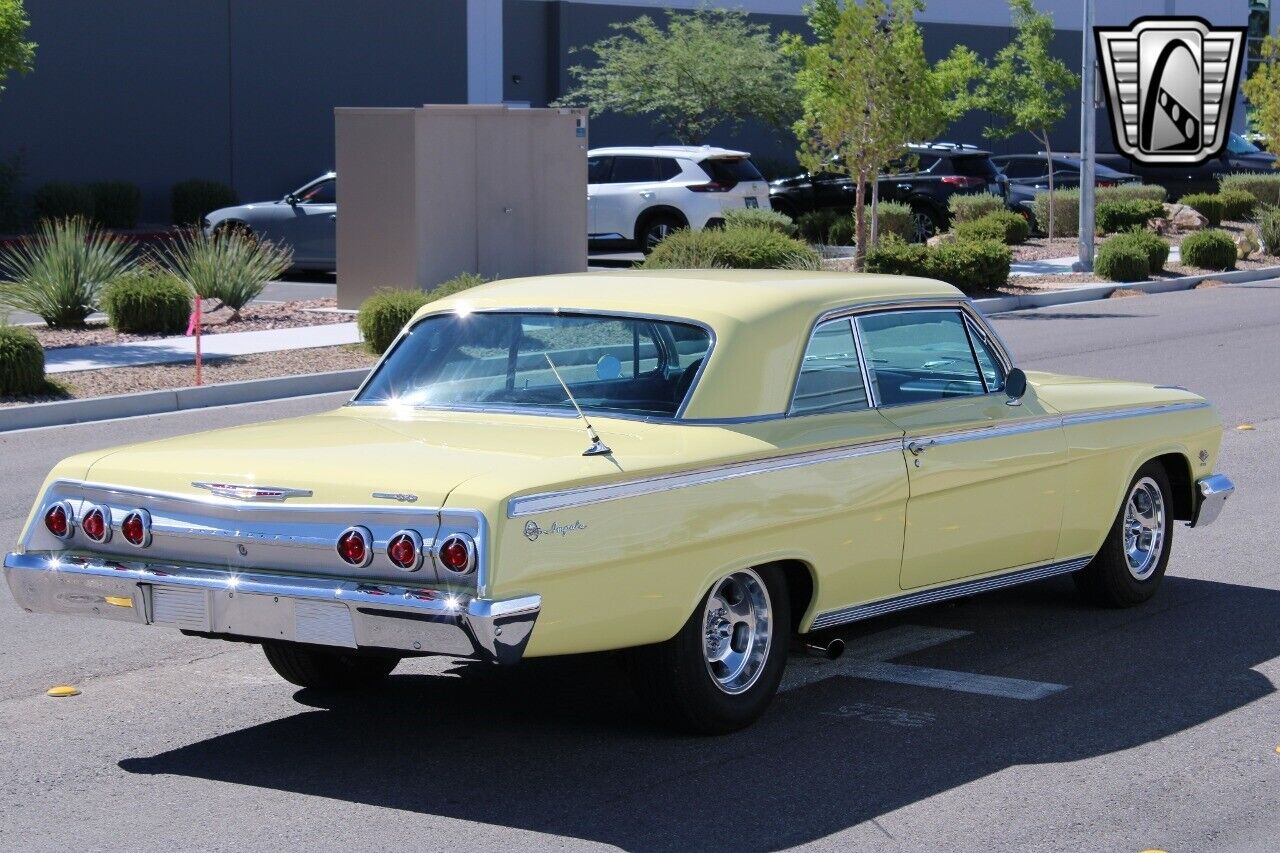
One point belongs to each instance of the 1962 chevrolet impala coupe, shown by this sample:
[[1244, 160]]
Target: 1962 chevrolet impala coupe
[[694, 466]]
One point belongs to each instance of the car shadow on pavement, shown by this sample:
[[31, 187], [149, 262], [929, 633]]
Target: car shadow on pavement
[[562, 746]]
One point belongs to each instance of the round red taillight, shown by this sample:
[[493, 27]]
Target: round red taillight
[[96, 524], [355, 546], [136, 528], [405, 550], [60, 520], [458, 554]]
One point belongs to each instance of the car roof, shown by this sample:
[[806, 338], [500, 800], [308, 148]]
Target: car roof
[[695, 152], [1099, 168], [761, 319], [953, 149]]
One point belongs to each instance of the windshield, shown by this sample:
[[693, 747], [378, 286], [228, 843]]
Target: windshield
[[497, 360], [1237, 144]]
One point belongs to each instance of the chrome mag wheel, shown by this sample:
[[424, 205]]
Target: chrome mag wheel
[[1144, 528], [737, 631], [655, 234]]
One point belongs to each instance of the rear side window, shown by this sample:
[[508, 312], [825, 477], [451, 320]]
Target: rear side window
[[911, 163], [598, 169], [1024, 168], [731, 171], [637, 170], [830, 377], [973, 167]]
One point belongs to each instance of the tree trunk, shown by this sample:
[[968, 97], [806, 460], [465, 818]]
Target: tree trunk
[[860, 223], [1049, 153], [875, 212]]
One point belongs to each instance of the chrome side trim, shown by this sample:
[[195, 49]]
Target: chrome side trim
[[1213, 492], [1142, 411], [998, 431], [558, 500], [858, 612]]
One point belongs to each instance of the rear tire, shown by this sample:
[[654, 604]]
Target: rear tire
[[324, 669], [924, 224], [721, 671], [657, 228], [1127, 570]]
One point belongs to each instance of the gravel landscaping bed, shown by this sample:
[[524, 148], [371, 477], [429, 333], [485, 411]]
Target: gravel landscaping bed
[[154, 377], [253, 318]]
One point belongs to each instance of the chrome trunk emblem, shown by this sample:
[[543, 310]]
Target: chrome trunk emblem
[[253, 493], [403, 497]]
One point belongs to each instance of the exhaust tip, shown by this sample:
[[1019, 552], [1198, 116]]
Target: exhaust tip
[[831, 650]]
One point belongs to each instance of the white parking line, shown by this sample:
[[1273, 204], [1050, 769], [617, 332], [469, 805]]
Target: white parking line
[[869, 658]]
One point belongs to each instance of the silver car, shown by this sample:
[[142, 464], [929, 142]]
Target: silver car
[[305, 220]]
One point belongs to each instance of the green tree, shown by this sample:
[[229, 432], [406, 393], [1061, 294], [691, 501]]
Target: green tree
[[1263, 91], [698, 71], [867, 89], [1026, 88], [15, 54]]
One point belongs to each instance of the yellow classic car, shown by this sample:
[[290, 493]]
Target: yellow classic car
[[697, 467]]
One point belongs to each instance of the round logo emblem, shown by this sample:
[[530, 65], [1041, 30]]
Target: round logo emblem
[[532, 531]]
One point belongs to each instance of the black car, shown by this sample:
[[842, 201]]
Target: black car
[[1240, 155], [1028, 176], [925, 177]]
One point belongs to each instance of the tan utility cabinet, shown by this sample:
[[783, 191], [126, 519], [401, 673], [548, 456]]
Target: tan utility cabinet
[[430, 192]]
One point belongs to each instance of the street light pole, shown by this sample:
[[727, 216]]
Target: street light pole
[[1088, 137]]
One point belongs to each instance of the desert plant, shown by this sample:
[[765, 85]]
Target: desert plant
[[1237, 205], [1155, 247], [1113, 216], [457, 284], [1208, 205], [967, 208], [1269, 230], [58, 273], [1209, 250], [1118, 260], [229, 266], [116, 204], [1265, 188], [21, 361], [1131, 192], [191, 200], [757, 217], [62, 201], [732, 248], [1003, 225], [1066, 211], [894, 217], [385, 313], [147, 300]]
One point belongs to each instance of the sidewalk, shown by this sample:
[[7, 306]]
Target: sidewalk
[[1062, 266], [183, 349]]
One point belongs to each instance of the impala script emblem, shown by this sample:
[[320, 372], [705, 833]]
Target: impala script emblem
[[1171, 86], [253, 493], [532, 531]]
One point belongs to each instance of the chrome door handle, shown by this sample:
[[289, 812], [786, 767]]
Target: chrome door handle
[[917, 447]]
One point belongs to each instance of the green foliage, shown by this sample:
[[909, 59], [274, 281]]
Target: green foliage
[[147, 300], [10, 197], [58, 273], [898, 257], [1208, 205], [1155, 247], [1131, 192], [826, 226], [457, 284], [1113, 216], [61, 201], [1004, 226], [1120, 261], [1209, 250], [1269, 230], [21, 362], [16, 54], [191, 200], [116, 204], [894, 217], [1262, 90], [385, 313], [969, 265], [1066, 211], [732, 248], [1237, 204], [972, 206], [229, 266], [1265, 188], [697, 72], [758, 217]]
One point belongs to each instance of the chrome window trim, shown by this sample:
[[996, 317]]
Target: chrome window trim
[[868, 402]]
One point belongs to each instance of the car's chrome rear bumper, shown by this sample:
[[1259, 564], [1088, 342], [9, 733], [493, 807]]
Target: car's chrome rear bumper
[[1211, 493], [322, 611]]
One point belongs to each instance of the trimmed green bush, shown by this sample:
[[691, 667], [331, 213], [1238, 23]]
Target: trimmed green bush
[[62, 201], [147, 300], [1265, 188], [191, 200], [1155, 247], [967, 264], [21, 362], [116, 204], [1003, 225], [758, 217], [1209, 250], [1066, 212], [1131, 192], [898, 257], [732, 248], [1269, 230], [967, 208], [827, 226], [1113, 216], [1120, 261], [1237, 205], [457, 284], [58, 273], [895, 218], [1207, 205], [385, 313], [229, 266]]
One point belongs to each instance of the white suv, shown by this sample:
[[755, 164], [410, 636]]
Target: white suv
[[640, 195]]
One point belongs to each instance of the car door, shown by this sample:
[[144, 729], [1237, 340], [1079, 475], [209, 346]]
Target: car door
[[987, 479], [629, 190], [311, 226], [598, 168]]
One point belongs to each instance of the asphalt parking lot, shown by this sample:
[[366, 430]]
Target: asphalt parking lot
[[1019, 720]]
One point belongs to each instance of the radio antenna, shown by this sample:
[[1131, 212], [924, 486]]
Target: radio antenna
[[598, 447]]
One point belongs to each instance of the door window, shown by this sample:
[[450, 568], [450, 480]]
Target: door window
[[830, 375], [918, 356], [323, 192]]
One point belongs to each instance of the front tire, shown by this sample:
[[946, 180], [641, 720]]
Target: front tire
[[326, 669], [721, 671], [1131, 563]]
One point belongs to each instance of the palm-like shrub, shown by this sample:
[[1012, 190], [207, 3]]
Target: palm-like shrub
[[229, 266], [58, 274]]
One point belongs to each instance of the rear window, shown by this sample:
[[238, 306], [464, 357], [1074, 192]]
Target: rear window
[[973, 167], [731, 170], [635, 170]]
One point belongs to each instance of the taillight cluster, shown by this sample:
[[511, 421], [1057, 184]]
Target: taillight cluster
[[406, 551], [95, 524]]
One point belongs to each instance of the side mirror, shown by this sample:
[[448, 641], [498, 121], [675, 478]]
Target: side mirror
[[291, 200], [1015, 386]]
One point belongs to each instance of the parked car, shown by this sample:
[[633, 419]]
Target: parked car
[[1240, 155], [695, 465], [925, 178], [637, 196], [305, 220], [1028, 176]]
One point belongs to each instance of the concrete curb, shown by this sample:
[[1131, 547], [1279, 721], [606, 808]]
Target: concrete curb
[[177, 399], [1088, 293]]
